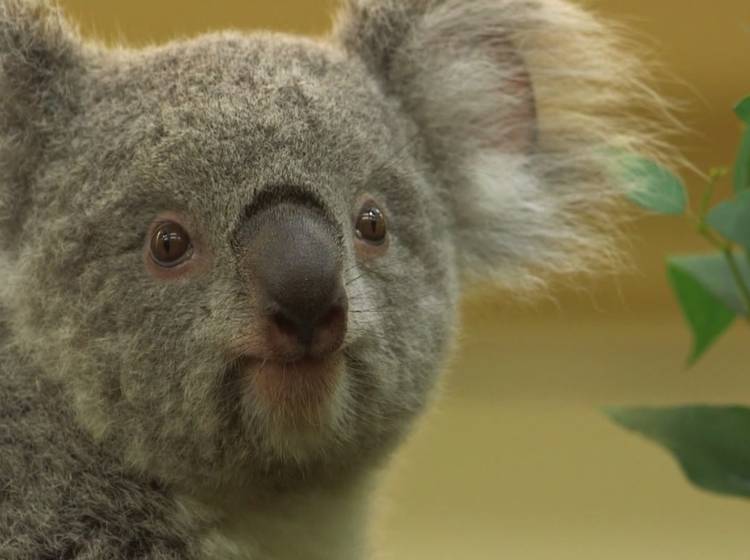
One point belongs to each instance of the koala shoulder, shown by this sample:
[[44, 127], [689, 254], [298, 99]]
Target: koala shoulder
[[61, 495]]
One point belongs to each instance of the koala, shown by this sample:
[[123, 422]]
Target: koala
[[231, 264]]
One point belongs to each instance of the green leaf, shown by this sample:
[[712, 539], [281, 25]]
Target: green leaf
[[707, 316], [710, 443], [742, 109], [715, 275], [742, 165], [655, 188], [732, 219]]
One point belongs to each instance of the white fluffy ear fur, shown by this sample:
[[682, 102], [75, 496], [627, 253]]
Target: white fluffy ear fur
[[522, 104]]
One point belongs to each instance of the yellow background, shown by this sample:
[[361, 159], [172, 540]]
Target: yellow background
[[515, 461]]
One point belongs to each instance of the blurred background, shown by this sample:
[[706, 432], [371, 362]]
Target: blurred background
[[514, 460]]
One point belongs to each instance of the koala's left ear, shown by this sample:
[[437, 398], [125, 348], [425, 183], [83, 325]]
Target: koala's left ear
[[521, 106], [40, 67]]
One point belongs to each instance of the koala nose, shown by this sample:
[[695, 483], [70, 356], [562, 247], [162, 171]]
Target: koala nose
[[297, 259]]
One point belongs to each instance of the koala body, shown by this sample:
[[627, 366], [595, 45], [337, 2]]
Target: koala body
[[231, 264]]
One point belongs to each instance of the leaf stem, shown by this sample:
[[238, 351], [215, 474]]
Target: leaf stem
[[708, 195]]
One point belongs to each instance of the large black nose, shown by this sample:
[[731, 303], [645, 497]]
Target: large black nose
[[297, 264]]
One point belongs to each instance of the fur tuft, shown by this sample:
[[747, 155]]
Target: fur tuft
[[39, 57]]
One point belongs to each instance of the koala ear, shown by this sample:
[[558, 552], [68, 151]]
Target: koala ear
[[39, 64], [520, 104]]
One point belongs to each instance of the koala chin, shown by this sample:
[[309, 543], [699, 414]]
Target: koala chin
[[230, 265]]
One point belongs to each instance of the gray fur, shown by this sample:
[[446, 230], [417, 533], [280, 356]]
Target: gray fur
[[127, 429]]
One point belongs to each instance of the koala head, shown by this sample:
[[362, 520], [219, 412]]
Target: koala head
[[241, 254]]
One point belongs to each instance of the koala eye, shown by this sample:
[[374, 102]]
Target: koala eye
[[371, 225], [170, 245]]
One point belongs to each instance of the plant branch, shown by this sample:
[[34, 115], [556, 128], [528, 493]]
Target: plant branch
[[708, 195], [728, 251], [726, 247]]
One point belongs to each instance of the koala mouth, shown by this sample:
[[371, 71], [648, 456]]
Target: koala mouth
[[299, 387]]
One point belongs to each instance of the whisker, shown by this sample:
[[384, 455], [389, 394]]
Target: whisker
[[354, 279], [348, 270]]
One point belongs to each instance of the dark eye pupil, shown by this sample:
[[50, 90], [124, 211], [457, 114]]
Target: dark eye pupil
[[169, 244], [165, 241]]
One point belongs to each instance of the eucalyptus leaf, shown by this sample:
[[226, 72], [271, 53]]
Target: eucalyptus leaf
[[712, 444], [742, 109], [742, 165], [655, 188], [707, 316], [715, 275], [732, 219]]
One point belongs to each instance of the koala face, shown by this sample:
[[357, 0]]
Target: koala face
[[248, 268], [241, 255]]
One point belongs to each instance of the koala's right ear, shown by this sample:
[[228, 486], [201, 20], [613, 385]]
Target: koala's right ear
[[40, 69], [522, 105]]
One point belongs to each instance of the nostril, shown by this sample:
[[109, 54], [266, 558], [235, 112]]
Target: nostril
[[286, 324], [330, 331], [334, 318], [292, 337], [333, 321]]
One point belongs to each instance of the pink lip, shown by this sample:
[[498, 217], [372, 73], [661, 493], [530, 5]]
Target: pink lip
[[297, 386]]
